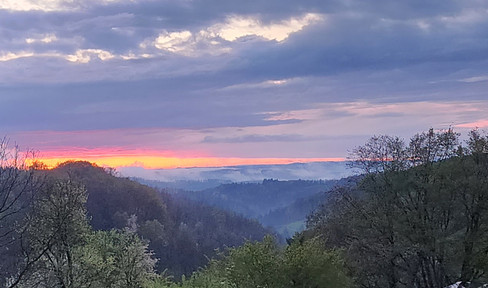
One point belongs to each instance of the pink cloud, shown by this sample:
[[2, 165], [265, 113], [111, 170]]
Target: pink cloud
[[476, 124]]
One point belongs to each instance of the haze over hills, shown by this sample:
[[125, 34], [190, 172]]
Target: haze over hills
[[204, 178], [282, 205], [255, 191]]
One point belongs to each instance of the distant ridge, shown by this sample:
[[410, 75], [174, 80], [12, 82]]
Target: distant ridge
[[212, 177]]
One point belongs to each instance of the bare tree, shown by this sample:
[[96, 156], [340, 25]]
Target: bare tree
[[19, 184]]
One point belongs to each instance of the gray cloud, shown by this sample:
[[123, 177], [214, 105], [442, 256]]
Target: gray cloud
[[387, 35], [255, 138], [348, 43]]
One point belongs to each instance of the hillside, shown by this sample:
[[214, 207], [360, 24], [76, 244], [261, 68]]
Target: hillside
[[183, 234], [254, 200], [281, 205], [291, 219]]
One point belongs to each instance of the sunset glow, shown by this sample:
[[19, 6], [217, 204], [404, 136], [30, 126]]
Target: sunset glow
[[154, 160]]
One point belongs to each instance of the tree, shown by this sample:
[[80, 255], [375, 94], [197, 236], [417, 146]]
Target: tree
[[19, 185], [308, 264], [380, 153], [304, 263], [112, 259], [473, 195], [417, 217], [71, 254], [56, 229]]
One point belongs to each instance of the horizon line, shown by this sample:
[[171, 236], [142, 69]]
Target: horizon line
[[158, 162]]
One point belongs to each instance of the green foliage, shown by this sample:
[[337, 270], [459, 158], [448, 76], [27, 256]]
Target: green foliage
[[116, 259], [254, 265], [264, 264], [158, 281], [309, 264], [72, 255], [57, 227], [213, 276]]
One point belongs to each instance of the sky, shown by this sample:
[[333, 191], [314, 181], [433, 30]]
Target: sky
[[197, 83]]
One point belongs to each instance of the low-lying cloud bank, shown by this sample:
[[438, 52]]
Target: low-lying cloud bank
[[250, 173]]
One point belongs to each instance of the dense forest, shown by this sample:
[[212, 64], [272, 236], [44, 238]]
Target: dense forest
[[281, 205], [254, 200], [290, 219], [416, 217]]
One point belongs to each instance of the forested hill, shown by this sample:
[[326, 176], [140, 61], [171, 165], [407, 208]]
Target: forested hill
[[282, 205], [419, 217], [291, 218], [258, 199], [182, 233]]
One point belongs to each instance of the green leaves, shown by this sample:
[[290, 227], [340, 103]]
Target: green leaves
[[265, 265], [116, 259], [56, 228], [254, 264], [309, 264]]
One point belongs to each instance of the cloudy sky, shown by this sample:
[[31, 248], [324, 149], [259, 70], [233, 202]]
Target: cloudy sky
[[162, 83]]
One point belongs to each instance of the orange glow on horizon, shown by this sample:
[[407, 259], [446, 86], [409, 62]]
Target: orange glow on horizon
[[154, 160]]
